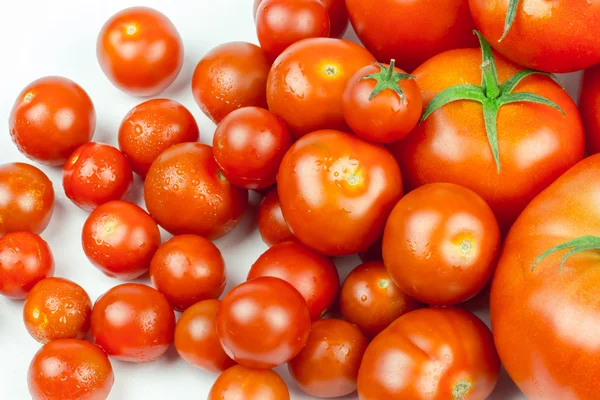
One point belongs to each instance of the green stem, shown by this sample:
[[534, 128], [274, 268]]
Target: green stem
[[492, 89], [511, 13], [387, 78], [391, 69], [578, 245]]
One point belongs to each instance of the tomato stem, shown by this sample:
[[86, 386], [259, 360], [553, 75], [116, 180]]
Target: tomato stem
[[387, 78], [511, 13], [461, 389], [583, 243]]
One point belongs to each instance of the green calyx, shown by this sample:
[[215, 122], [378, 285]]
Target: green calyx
[[510, 17], [461, 390], [491, 95], [578, 245], [387, 78]]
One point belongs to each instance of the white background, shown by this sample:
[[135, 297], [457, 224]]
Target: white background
[[58, 37]]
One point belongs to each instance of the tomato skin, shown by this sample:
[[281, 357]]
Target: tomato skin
[[271, 224], [589, 106], [240, 382], [373, 253], [336, 191], [51, 117], [140, 51]]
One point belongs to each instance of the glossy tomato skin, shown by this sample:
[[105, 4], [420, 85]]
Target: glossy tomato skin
[[56, 372], [186, 177], [336, 191], [140, 51], [249, 145], [589, 105], [307, 82], [271, 224], [120, 239], [240, 382], [245, 323], [433, 353], [313, 275], [151, 128]]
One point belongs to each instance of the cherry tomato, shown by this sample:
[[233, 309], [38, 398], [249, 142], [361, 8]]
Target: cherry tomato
[[249, 145], [240, 382], [151, 128], [589, 105], [373, 253], [271, 224], [231, 76], [185, 192], [25, 259], [263, 323], [57, 308], [431, 353], [70, 369], [133, 322], [120, 239], [140, 51]]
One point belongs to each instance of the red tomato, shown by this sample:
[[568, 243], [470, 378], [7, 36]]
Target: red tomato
[[151, 128], [26, 199], [271, 224], [336, 191], [185, 192], [313, 275], [589, 105], [133, 322], [51, 117], [231, 76], [57, 308], [249, 145], [95, 174], [432, 353], [140, 51], [70, 369], [307, 82], [263, 323], [120, 239], [328, 365], [240, 382], [25, 259]]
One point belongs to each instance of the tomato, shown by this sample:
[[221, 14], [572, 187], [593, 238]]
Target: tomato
[[313, 275], [51, 117], [188, 269], [187, 178], [57, 308], [263, 323], [240, 382], [308, 79], [133, 322], [120, 239], [151, 128], [431, 353], [336, 191], [589, 105], [25, 259], [373, 253], [26, 199], [370, 300], [140, 51], [271, 224], [231, 76], [70, 369]]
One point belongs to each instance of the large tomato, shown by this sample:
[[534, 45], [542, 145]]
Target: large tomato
[[589, 105]]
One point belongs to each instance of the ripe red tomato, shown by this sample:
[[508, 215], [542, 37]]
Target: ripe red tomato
[[70, 369], [328, 365], [263, 323], [271, 224], [57, 308], [133, 322], [185, 192], [231, 76], [589, 105], [51, 117], [25, 259], [336, 191], [120, 239], [151, 128], [431, 353], [313, 275], [307, 82], [26, 199], [240, 382], [140, 51], [249, 145]]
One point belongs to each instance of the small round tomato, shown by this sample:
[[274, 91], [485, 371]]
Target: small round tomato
[[336, 191], [370, 300], [120, 239], [133, 322], [263, 323], [70, 369], [151, 128], [185, 192], [25, 259], [57, 308], [373, 253], [271, 224], [432, 353], [27, 199], [231, 76], [589, 105], [249, 145], [188, 269], [307, 83], [240, 382], [140, 51]]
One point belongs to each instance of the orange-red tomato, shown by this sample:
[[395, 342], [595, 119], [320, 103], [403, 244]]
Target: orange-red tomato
[[240, 382], [589, 105], [271, 224]]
